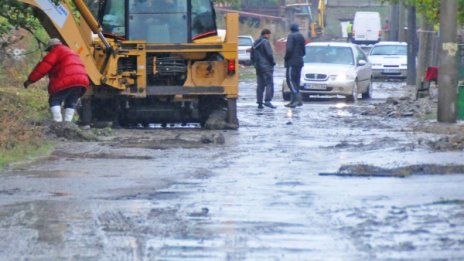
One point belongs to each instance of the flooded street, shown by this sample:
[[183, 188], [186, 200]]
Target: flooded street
[[251, 194]]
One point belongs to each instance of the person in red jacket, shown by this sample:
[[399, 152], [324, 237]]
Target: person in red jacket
[[68, 79]]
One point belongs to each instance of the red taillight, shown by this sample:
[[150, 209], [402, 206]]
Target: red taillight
[[231, 67], [248, 50], [380, 33]]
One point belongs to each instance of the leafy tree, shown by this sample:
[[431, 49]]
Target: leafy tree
[[430, 8]]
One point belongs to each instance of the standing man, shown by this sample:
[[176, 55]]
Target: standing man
[[294, 63], [263, 60], [349, 32], [386, 30], [67, 75]]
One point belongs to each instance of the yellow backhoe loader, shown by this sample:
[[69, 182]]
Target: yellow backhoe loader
[[149, 61], [303, 15]]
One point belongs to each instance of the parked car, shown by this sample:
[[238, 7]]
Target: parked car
[[334, 68], [366, 28], [245, 43], [389, 59]]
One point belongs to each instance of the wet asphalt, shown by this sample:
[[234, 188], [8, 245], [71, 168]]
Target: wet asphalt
[[159, 194]]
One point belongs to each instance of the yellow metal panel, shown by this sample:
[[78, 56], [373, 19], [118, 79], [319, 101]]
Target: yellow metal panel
[[64, 23]]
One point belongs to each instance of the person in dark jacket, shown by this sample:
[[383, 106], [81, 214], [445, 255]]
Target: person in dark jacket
[[68, 79], [294, 63], [263, 60]]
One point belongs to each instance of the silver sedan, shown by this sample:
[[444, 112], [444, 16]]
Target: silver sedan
[[334, 68]]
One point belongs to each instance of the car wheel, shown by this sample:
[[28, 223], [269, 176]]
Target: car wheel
[[354, 93], [368, 93]]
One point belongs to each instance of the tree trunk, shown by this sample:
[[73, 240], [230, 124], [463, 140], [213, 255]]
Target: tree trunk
[[424, 57], [401, 22], [412, 45], [448, 74]]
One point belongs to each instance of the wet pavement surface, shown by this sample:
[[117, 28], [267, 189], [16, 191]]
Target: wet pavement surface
[[250, 194]]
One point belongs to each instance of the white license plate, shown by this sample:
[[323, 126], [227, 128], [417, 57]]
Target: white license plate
[[391, 71], [315, 86]]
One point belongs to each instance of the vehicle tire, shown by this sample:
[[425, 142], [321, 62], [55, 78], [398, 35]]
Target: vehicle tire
[[368, 93], [354, 93], [286, 96]]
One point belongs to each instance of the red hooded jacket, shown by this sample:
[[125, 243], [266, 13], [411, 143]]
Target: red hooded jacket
[[64, 68]]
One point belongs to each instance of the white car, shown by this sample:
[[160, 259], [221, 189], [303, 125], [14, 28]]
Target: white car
[[389, 59], [334, 68], [245, 43]]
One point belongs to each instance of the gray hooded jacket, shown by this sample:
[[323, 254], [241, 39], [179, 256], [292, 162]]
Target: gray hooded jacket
[[261, 55]]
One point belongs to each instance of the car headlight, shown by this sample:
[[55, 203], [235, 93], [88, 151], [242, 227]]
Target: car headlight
[[377, 65]]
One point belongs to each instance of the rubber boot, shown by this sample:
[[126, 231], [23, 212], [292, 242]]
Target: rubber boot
[[56, 113], [297, 101], [292, 100], [68, 114]]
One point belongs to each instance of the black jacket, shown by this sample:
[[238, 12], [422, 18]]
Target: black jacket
[[295, 50], [261, 55]]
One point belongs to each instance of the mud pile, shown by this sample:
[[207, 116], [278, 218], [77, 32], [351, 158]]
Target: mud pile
[[363, 170], [72, 132], [401, 107], [452, 135]]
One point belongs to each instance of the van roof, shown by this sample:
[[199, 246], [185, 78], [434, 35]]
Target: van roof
[[366, 12]]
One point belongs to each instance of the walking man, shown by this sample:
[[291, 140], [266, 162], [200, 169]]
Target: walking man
[[263, 60], [294, 63], [67, 75]]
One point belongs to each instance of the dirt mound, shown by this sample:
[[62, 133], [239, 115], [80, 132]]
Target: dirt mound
[[400, 107], [455, 142], [71, 131], [363, 170]]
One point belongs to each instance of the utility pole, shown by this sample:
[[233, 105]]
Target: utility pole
[[424, 56], [448, 74], [394, 25], [401, 22], [412, 45]]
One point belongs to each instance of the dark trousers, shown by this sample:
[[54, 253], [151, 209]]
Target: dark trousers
[[349, 38], [69, 96], [265, 86], [293, 75]]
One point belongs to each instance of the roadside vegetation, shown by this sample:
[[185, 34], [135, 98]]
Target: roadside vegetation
[[21, 111]]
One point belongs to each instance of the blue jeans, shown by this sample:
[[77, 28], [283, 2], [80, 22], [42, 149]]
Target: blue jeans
[[69, 96]]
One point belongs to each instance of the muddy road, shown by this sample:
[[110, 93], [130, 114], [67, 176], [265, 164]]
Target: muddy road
[[251, 194]]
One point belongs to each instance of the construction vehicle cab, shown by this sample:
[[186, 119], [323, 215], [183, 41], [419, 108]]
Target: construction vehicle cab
[[161, 21], [154, 61], [304, 15]]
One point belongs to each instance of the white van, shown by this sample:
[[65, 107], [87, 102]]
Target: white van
[[367, 28]]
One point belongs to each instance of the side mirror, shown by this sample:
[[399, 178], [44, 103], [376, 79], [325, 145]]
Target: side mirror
[[362, 62]]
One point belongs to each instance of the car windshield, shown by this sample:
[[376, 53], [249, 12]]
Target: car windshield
[[245, 41], [389, 50], [329, 54]]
